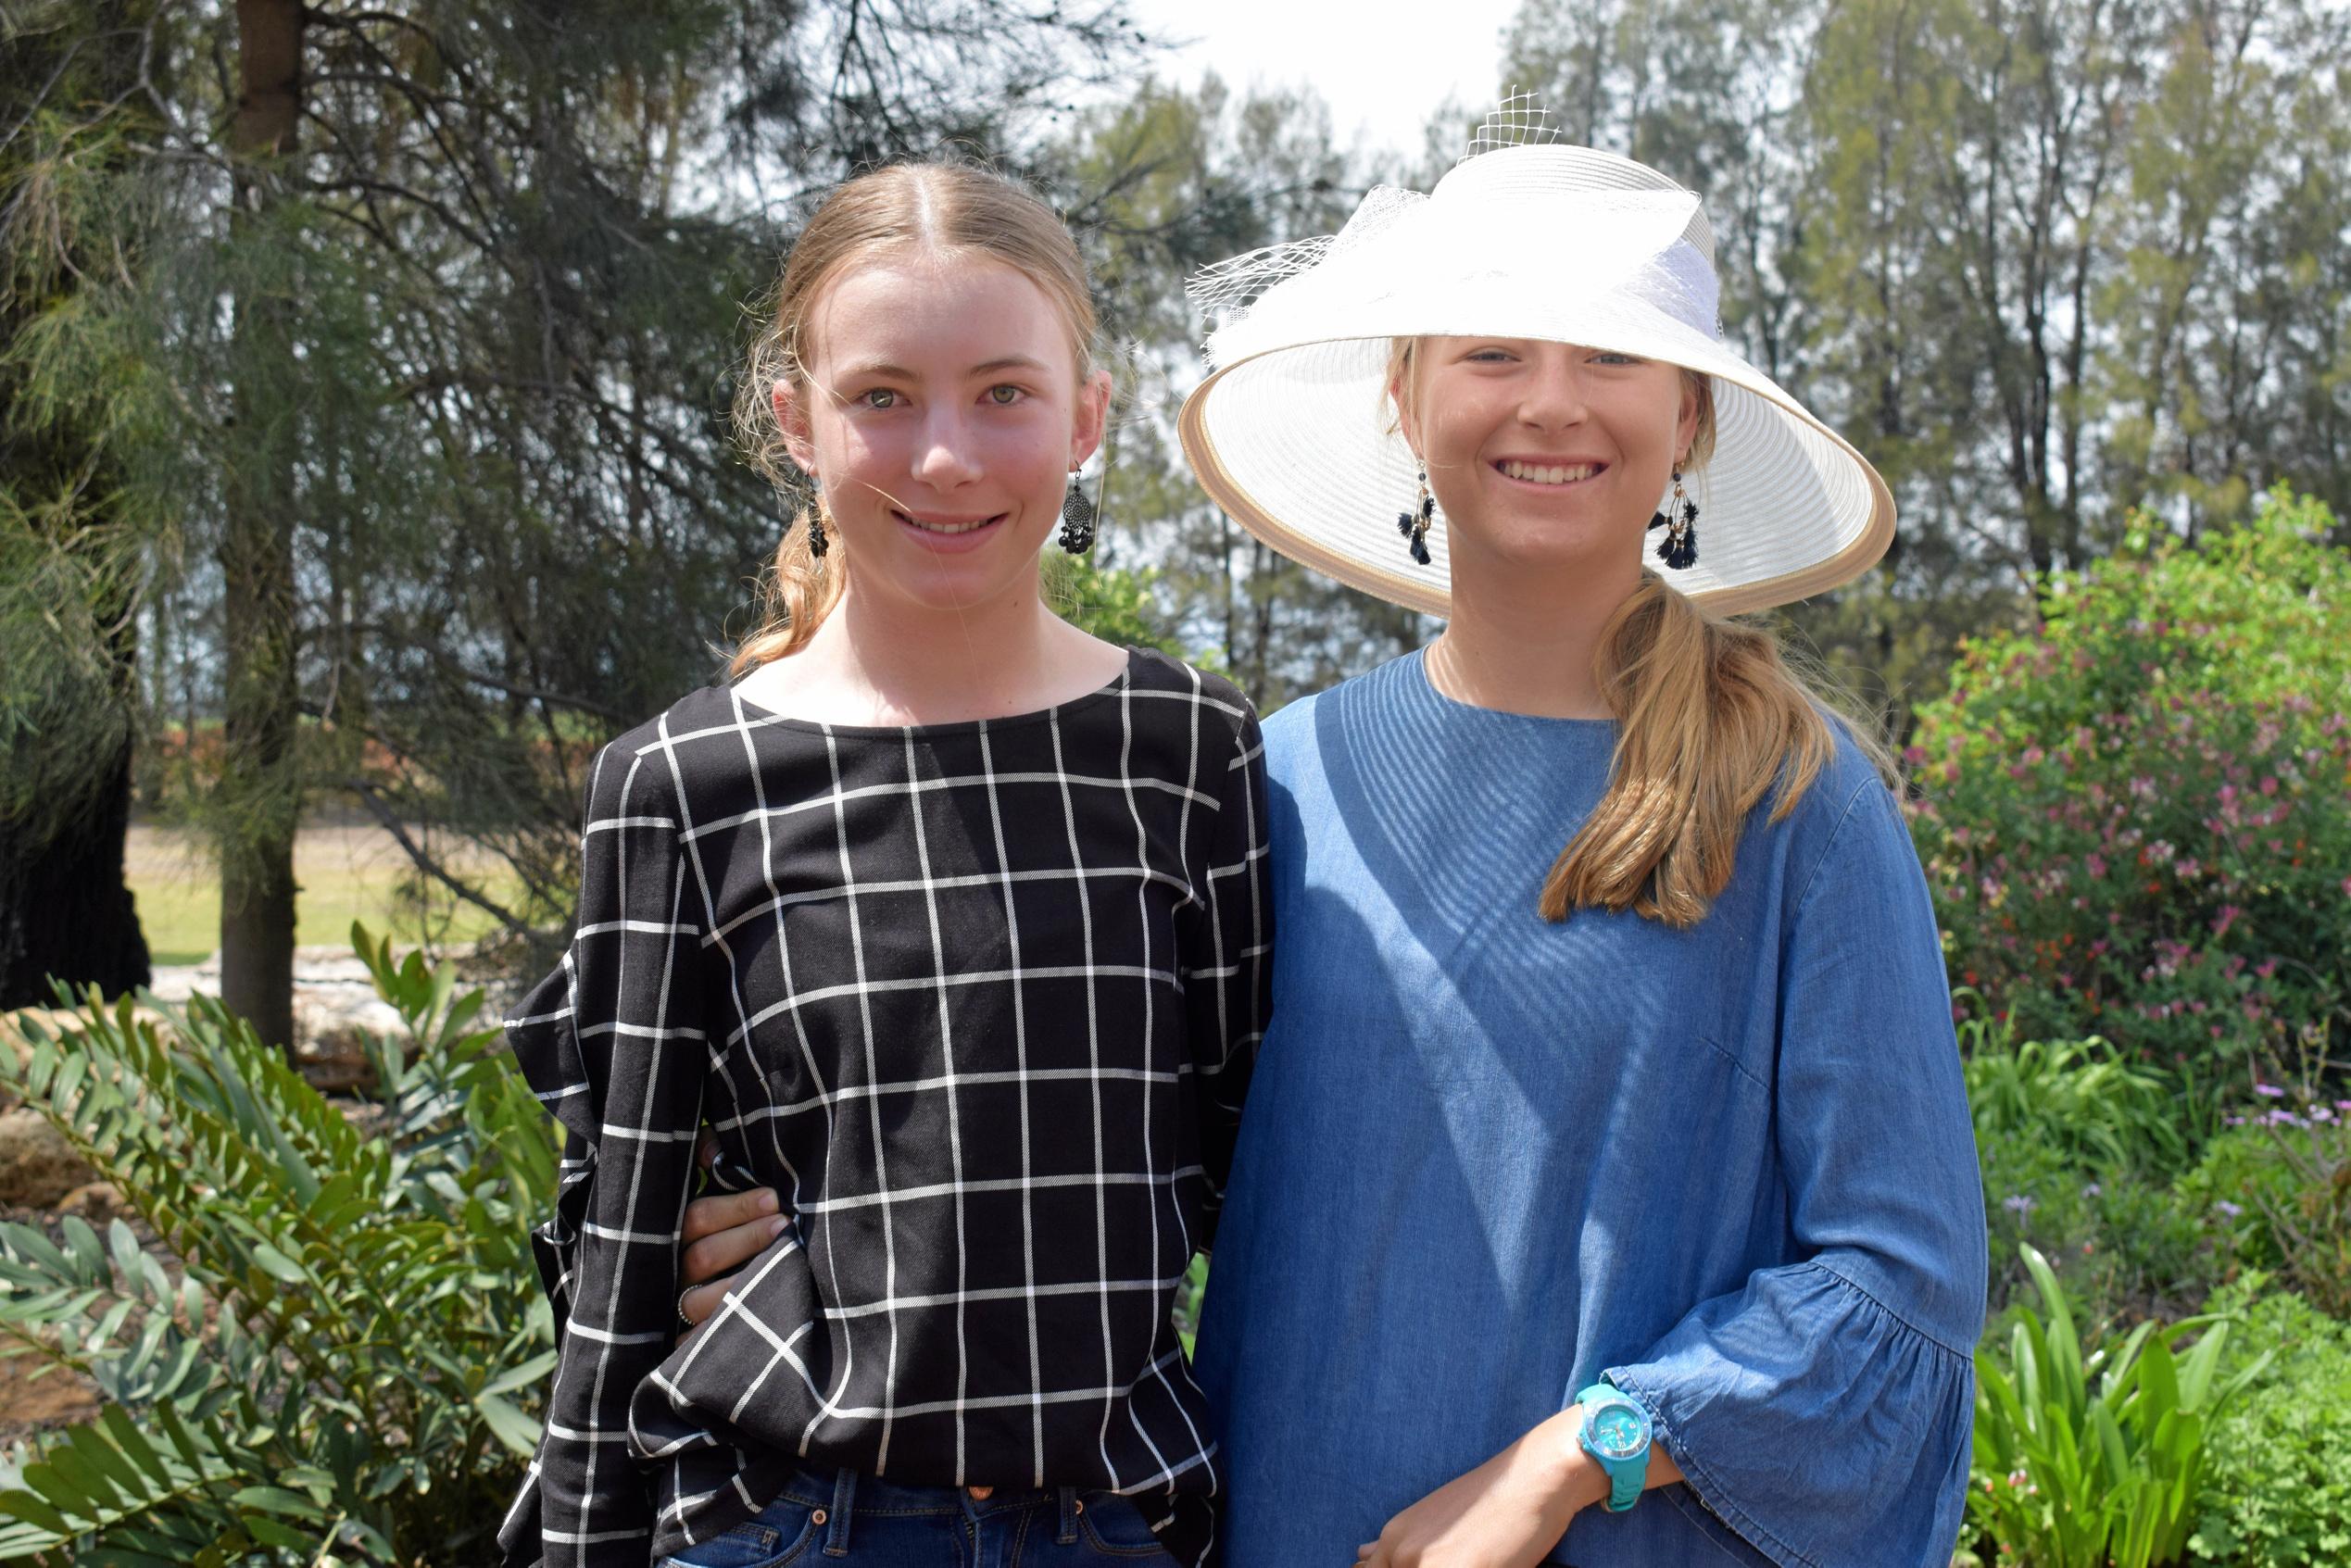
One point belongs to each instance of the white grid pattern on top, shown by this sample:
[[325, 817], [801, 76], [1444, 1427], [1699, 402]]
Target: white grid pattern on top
[[979, 1001], [1519, 120]]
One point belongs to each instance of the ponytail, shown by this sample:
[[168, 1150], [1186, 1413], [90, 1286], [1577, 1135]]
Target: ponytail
[[796, 594], [1710, 719]]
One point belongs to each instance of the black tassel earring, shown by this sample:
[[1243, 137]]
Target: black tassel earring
[[817, 542], [1078, 519], [1414, 524], [1678, 549]]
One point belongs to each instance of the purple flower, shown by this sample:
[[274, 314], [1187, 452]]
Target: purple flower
[[2019, 1203], [2269, 1091], [2227, 1210], [2092, 1190]]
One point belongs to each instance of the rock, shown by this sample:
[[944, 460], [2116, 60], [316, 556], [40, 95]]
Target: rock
[[37, 1166], [35, 1397], [99, 1203]]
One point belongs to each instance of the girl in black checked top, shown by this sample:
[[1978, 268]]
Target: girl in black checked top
[[948, 918]]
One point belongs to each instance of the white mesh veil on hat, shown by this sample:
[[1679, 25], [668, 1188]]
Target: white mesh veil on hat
[[1291, 433]]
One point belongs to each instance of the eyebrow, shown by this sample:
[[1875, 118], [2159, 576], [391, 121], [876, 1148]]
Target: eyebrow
[[899, 373]]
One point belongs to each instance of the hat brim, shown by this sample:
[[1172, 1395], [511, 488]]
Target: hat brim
[[1296, 444]]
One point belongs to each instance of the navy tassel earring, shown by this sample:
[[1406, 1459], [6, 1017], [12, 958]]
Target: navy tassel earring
[[817, 542], [1414, 524], [1678, 549]]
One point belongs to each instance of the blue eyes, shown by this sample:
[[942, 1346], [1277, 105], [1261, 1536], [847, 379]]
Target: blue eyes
[[1004, 394]]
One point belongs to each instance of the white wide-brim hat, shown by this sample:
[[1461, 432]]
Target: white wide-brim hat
[[1294, 432]]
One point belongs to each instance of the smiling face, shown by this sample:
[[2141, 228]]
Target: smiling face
[[1544, 456], [942, 411]]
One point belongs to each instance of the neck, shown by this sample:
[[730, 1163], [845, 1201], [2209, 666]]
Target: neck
[[1523, 643], [908, 664]]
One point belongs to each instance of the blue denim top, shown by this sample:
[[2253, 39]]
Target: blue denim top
[[1487, 1160]]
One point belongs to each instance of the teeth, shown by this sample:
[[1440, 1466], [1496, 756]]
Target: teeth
[[947, 527], [1549, 475]]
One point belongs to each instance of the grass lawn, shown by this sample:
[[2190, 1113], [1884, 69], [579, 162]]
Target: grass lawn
[[344, 873]]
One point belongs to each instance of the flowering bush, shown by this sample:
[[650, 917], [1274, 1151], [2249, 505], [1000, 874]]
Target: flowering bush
[[2277, 1185], [2136, 816]]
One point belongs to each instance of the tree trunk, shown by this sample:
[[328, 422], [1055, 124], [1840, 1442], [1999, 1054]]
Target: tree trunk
[[64, 910], [260, 788]]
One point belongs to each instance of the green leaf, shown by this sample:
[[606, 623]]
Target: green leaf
[[135, 1445], [278, 1265], [278, 1500], [91, 1442], [32, 1509], [524, 1375], [509, 1424]]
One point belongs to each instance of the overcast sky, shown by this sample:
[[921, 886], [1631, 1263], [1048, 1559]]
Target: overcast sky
[[1382, 66]]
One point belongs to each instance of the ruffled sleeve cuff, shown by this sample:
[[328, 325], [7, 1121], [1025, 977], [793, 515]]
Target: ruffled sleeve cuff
[[1816, 1422], [547, 1050]]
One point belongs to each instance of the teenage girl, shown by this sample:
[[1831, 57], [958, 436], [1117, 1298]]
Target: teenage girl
[[949, 919]]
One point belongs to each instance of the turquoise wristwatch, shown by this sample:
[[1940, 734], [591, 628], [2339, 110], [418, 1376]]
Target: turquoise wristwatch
[[1616, 1432]]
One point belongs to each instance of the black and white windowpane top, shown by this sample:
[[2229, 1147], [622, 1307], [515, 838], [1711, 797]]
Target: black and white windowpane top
[[979, 1000]]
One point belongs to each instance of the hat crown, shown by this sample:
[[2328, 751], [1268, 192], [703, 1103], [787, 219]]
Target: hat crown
[[1562, 175]]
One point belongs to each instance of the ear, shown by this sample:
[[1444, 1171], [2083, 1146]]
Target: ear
[[1686, 426], [791, 415], [1093, 416], [1407, 411]]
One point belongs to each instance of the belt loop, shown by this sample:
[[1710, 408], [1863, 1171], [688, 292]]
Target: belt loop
[[837, 1529], [1068, 1536]]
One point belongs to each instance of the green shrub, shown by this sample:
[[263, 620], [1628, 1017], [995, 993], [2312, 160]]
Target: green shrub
[[2121, 1242], [333, 1379], [2082, 1460], [2278, 1185], [2135, 816], [2278, 1493], [2076, 1147], [2091, 1107]]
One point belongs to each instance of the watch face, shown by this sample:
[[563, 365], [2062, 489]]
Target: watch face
[[1619, 1431]]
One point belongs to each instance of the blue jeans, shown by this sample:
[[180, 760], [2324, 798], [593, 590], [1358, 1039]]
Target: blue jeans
[[857, 1522]]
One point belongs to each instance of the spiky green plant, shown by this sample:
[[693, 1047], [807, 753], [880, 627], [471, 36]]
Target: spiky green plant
[[334, 1376], [2086, 1461]]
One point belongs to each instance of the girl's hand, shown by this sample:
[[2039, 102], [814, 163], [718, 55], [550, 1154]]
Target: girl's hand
[[722, 1232], [1506, 1513]]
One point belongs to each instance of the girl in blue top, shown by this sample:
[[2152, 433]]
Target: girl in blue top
[[1612, 1205], [1639, 1167]]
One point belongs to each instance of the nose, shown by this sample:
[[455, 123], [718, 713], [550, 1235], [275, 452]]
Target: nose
[[946, 456], [1554, 392]]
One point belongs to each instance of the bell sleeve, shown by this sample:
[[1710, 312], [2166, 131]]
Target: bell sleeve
[[1229, 961], [1823, 1411], [612, 1044]]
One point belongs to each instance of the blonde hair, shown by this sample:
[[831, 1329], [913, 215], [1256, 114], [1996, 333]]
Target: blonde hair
[[955, 210], [1710, 718]]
